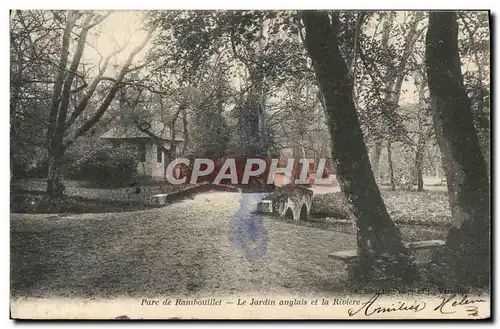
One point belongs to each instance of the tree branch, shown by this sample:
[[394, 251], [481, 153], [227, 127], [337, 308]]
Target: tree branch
[[93, 86], [68, 81], [111, 94], [88, 26]]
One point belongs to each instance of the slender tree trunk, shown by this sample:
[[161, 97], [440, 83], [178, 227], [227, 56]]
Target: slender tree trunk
[[263, 132], [389, 81], [185, 131], [463, 162], [260, 107], [393, 84], [391, 165], [377, 234], [420, 178], [419, 157], [377, 152], [423, 136], [252, 117]]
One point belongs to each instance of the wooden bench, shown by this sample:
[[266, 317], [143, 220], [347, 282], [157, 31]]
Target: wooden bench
[[349, 255]]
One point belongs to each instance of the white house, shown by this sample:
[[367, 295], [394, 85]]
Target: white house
[[152, 161]]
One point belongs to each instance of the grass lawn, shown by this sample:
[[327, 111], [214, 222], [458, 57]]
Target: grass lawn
[[429, 208], [27, 196], [183, 249], [35, 203]]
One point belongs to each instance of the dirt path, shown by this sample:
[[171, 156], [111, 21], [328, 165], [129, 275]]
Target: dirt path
[[184, 249]]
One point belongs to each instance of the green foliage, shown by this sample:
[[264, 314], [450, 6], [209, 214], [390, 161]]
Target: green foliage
[[474, 46], [193, 38], [106, 167], [262, 47], [380, 65]]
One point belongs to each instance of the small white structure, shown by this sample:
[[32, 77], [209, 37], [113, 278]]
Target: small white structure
[[265, 206], [152, 161], [159, 199]]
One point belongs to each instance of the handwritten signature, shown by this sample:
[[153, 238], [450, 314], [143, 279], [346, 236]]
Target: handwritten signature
[[371, 308], [447, 305]]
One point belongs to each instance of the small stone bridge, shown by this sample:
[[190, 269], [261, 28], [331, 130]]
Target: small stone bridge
[[289, 202]]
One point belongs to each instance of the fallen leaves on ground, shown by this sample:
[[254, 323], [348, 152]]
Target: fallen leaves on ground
[[405, 207]]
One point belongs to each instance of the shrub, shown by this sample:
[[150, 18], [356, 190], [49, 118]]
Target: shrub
[[330, 205], [35, 166], [461, 264], [39, 170], [382, 273], [115, 166]]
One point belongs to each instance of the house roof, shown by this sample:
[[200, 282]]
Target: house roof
[[131, 132]]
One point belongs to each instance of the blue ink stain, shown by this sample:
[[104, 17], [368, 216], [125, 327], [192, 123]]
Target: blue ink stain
[[246, 230]]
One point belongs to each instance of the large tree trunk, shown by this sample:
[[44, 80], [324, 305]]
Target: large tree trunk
[[463, 162], [55, 185], [59, 137], [377, 234]]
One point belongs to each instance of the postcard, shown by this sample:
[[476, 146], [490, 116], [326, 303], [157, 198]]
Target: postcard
[[250, 164]]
